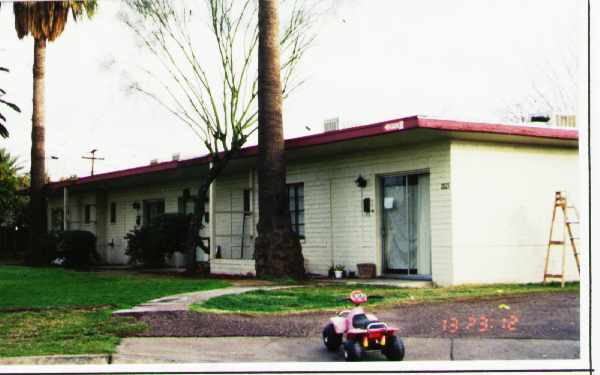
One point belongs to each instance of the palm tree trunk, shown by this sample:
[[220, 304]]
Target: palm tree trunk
[[277, 249], [38, 154]]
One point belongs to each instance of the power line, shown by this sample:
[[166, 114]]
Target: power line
[[93, 158]]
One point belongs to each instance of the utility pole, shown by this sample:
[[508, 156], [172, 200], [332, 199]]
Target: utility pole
[[93, 158]]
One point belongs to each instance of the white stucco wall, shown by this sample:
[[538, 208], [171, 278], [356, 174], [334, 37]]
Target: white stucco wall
[[348, 236], [76, 208], [125, 216], [491, 225], [337, 231], [502, 199]]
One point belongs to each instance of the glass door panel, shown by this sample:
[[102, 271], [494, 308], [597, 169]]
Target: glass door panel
[[405, 224]]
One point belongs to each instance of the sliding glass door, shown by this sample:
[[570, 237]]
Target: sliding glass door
[[406, 225]]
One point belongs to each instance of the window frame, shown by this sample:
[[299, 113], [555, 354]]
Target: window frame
[[87, 214], [146, 209], [53, 219], [182, 207], [247, 200], [297, 210], [113, 212]]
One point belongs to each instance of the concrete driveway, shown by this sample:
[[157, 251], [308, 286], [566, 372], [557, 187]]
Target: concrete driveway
[[310, 349]]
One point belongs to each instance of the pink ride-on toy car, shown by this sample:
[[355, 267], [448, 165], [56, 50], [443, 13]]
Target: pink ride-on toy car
[[363, 332]]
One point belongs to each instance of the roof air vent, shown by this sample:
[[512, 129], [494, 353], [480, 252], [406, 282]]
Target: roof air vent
[[331, 124], [566, 121]]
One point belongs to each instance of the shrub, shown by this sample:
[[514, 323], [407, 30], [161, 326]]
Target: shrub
[[151, 244], [172, 230], [78, 247], [141, 249], [49, 245]]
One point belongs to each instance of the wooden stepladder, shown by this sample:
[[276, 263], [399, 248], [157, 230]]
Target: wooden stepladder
[[570, 217]]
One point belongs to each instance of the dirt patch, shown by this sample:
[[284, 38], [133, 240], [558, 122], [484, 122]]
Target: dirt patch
[[539, 315], [250, 282]]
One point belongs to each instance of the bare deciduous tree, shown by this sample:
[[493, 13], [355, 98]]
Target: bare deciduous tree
[[553, 90], [212, 88]]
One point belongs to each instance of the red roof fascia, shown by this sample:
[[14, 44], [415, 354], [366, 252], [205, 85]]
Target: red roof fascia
[[117, 174], [356, 132], [479, 127]]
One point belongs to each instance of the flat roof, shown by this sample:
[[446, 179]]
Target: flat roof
[[376, 129]]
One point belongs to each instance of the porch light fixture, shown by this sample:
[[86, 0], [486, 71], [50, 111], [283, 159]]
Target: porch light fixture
[[136, 205], [360, 181]]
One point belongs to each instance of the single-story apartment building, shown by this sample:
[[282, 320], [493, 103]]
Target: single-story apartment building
[[453, 202]]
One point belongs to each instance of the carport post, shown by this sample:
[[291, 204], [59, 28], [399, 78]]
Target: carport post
[[212, 195], [65, 208]]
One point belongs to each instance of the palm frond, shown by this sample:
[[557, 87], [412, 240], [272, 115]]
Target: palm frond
[[11, 105], [9, 162], [46, 20], [3, 131], [78, 7]]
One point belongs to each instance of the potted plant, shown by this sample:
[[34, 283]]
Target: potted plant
[[338, 270]]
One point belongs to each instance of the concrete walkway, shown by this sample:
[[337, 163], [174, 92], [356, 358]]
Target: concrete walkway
[[311, 349], [182, 302]]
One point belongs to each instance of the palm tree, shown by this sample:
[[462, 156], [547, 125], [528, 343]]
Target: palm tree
[[277, 249], [3, 130], [8, 163], [10, 183], [44, 21]]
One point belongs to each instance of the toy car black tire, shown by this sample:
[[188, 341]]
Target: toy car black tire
[[353, 351], [331, 339], [394, 350]]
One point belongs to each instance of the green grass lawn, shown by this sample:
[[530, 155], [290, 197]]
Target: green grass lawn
[[71, 311], [323, 297]]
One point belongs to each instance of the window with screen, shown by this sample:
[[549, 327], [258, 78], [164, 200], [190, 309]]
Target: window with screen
[[113, 213], [296, 206], [247, 200], [185, 205], [153, 208], [57, 217], [88, 214]]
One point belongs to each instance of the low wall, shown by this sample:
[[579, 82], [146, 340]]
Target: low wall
[[232, 266]]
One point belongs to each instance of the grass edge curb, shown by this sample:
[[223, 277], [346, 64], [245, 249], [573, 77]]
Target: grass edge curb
[[76, 359]]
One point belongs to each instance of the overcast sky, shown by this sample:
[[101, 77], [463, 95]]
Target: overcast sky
[[372, 60]]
